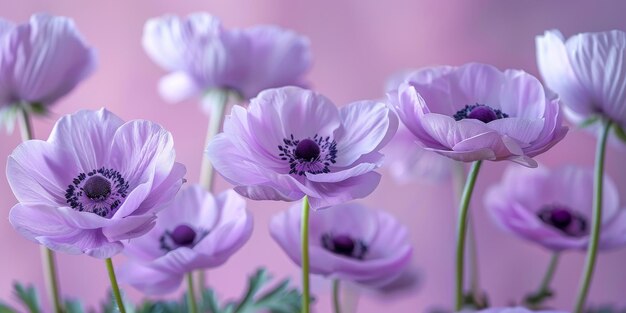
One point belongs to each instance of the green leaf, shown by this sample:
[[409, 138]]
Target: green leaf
[[6, 309], [28, 297], [619, 132], [74, 306]]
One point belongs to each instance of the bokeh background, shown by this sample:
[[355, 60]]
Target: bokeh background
[[356, 44]]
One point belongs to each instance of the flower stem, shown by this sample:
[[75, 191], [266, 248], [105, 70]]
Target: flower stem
[[472, 248], [191, 294], [114, 286], [217, 101], [336, 297], [47, 255], [306, 298], [592, 250], [461, 231], [535, 299]]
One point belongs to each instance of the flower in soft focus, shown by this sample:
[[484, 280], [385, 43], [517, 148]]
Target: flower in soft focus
[[196, 231], [587, 71], [513, 310], [406, 159], [94, 182], [293, 142], [554, 207], [202, 55], [476, 112], [348, 242], [42, 61]]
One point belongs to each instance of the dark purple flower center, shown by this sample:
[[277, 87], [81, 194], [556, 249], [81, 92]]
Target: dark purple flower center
[[481, 112], [97, 188], [183, 235], [100, 191], [307, 150], [308, 155], [344, 245], [562, 218]]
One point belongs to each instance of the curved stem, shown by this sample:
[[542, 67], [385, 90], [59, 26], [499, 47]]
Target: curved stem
[[472, 247], [114, 287], [304, 234], [461, 231], [534, 300], [217, 101], [191, 294], [47, 255], [592, 250], [336, 297]]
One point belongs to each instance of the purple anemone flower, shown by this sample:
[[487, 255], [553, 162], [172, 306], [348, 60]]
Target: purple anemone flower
[[554, 207], [587, 71], [196, 231], [202, 55], [476, 112], [95, 182], [406, 159], [42, 61], [513, 310], [348, 242], [291, 142]]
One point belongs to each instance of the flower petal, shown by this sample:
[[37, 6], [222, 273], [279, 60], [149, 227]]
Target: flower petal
[[178, 86], [149, 280]]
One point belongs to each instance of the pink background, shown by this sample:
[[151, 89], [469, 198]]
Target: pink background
[[356, 45]]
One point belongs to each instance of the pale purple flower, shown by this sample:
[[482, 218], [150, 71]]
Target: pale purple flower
[[202, 55], [406, 159], [587, 71], [476, 112], [196, 231], [554, 207], [347, 242], [291, 142], [95, 182], [512, 310], [40, 62]]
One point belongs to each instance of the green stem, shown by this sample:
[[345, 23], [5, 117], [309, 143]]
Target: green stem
[[47, 255], [472, 248], [191, 294], [534, 300], [114, 286], [336, 296], [306, 295], [592, 250], [461, 231], [219, 101]]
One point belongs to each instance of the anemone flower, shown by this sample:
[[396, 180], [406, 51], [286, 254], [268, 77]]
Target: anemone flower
[[553, 208], [95, 182], [196, 231], [201, 54], [291, 142], [476, 112], [349, 242], [587, 71], [42, 61]]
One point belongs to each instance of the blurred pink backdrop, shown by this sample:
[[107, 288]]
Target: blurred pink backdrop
[[357, 44]]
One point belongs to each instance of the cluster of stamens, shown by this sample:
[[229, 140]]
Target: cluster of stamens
[[479, 112], [182, 236], [308, 155], [344, 245], [565, 220], [100, 191]]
